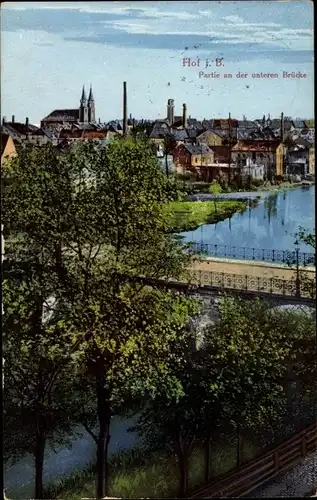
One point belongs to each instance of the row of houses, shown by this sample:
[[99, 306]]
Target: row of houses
[[262, 149], [259, 148]]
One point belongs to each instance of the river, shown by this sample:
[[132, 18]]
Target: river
[[270, 225], [19, 478]]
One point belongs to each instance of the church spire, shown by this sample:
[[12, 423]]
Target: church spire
[[91, 97], [91, 107], [83, 100]]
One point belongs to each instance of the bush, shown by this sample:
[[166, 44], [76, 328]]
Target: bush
[[215, 187], [257, 182]]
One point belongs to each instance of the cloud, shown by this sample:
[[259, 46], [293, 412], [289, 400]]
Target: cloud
[[103, 22], [233, 19]]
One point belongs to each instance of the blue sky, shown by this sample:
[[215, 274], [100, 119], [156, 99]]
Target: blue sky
[[50, 49]]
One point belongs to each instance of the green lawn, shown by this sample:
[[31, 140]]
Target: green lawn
[[187, 215], [134, 474]]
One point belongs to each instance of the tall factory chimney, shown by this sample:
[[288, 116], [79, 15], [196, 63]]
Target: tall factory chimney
[[13, 118], [26, 127], [125, 114], [282, 126], [184, 115]]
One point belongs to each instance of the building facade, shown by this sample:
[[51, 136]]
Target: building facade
[[85, 113]]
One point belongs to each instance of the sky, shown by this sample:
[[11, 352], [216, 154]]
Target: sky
[[51, 49]]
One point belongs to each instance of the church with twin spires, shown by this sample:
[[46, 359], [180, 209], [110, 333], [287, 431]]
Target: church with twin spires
[[85, 114]]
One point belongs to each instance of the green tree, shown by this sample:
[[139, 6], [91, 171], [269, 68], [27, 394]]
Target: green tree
[[169, 145], [235, 381], [97, 216], [39, 399], [215, 188], [306, 346]]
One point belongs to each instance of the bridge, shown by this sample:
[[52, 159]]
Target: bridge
[[209, 285]]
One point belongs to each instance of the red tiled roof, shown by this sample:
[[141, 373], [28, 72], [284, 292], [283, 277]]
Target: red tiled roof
[[224, 123], [256, 145], [221, 152]]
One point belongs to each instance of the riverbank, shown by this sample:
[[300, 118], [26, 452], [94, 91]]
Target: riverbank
[[283, 185], [203, 187], [189, 215], [137, 473]]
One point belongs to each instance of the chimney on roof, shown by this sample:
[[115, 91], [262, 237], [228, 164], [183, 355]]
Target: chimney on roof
[[282, 126], [125, 120], [184, 115], [13, 118]]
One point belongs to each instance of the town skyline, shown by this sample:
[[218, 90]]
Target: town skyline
[[50, 50]]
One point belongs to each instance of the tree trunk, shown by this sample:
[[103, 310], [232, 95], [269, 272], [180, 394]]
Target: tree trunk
[[183, 479], [39, 462], [183, 455], [166, 165], [207, 462], [239, 447], [104, 417]]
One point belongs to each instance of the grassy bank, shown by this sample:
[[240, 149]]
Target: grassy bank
[[203, 187], [188, 215], [135, 474]]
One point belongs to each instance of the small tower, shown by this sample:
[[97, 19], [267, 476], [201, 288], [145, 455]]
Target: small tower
[[83, 109], [170, 111], [91, 107]]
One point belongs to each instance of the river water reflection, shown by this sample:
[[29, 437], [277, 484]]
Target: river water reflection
[[270, 225]]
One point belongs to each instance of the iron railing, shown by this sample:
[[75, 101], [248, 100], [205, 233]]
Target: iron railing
[[257, 254], [271, 286], [257, 472]]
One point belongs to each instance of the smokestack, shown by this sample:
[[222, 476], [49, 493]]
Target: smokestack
[[4, 120], [133, 123], [26, 126], [130, 116], [125, 120], [282, 126], [184, 115], [13, 118]]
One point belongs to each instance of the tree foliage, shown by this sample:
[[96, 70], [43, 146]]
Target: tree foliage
[[92, 220], [237, 381]]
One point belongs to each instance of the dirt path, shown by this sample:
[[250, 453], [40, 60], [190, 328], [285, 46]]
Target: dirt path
[[249, 268]]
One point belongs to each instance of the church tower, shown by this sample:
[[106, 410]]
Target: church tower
[[83, 109], [91, 107]]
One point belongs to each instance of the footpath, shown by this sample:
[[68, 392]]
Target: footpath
[[297, 482], [249, 268]]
